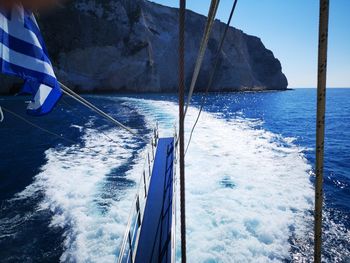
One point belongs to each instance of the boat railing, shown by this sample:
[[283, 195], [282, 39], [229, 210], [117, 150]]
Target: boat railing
[[165, 234], [129, 246], [173, 223]]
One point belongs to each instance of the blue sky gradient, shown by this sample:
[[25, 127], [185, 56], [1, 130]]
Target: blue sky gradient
[[290, 29]]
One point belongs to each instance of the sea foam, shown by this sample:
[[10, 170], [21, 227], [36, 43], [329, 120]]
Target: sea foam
[[75, 185], [247, 190]]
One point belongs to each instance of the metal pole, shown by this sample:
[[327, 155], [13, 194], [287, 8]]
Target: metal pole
[[182, 12], [320, 127]]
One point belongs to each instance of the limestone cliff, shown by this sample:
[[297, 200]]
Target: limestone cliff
[[123, 45]]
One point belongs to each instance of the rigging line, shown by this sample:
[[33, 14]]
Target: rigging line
[[92, 107], [1, 115], [212, 75], [204, 43], [39, 127], [82, 117], [320, 125], [48, 131], [80, 99], [86, 103]]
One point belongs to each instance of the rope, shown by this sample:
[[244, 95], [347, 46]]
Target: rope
[[82, 117], [39, 127], [49, 132], [210, 21], [78, 98], [92, 107], [182, 16], [1, 115], [320, 125], [212, 75]]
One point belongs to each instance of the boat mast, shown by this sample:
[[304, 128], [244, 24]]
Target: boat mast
[[320, 125]]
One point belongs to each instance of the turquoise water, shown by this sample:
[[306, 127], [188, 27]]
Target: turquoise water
[[250, 177]]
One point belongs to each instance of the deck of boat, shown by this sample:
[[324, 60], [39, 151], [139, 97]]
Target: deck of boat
[[155, 235]]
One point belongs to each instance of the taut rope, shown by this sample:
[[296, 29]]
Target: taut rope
[[92, 107], [210, 22], [212, 75], [1, 115]]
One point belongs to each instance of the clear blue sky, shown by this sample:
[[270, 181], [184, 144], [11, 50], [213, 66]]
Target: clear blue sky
[[290, 29]]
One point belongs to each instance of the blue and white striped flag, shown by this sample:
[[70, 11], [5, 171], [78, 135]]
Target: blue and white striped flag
[[23, 54]]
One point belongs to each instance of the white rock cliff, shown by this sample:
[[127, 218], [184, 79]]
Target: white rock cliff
[[131, 46]]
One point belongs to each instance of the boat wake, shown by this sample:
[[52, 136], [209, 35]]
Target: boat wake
[[248, 190], [249, 195], [88, 194]]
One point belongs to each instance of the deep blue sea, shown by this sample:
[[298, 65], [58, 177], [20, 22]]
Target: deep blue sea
[[249, 177]]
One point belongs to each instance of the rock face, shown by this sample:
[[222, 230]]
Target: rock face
[[131, 46]]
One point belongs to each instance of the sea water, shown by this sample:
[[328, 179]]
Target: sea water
[[249, 177]]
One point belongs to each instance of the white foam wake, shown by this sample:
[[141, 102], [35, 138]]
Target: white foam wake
[[74, 183], [248, 190]]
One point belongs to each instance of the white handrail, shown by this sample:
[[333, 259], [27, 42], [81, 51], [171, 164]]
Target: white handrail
[[173, 225]]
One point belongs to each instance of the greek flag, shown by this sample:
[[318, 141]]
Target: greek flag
[[23, 54]]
